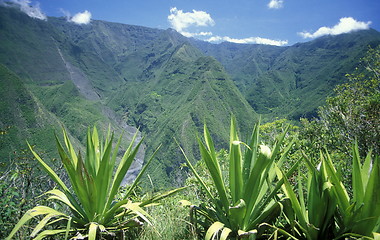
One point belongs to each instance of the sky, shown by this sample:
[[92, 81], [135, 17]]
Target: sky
[[273, 22]]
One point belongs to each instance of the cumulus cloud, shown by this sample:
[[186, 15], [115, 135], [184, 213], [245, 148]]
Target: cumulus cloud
[[25, 6], [180, 21], [81, 18], [275, 4], [345, 25], [198, 34], [250, 40]]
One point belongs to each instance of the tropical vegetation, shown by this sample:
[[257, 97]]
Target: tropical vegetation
[[88, 208], [316, 178], [238, 210]]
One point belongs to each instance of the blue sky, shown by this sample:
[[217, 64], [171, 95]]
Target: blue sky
[[275, 22]]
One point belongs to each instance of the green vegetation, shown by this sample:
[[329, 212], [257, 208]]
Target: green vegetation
[[22, 116], [188, 90], [353, 113], [238, 210], [57, 74], [341, 215], [108, 73], [291, 82], [90, 199]]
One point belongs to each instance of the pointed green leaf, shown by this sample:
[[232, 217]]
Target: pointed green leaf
[[251, 153], [339, 190], [216, 175], [47, 233], [195, 173], [366, 169], [48, 170], [225, 232], [59, 195], [39, 210], [41, 224], [295, 203], [357, 181], [237, 212], [69, 147], [124, 165], [213, 230], [135, 208], [68, 228], [92, 230], [371, 201]]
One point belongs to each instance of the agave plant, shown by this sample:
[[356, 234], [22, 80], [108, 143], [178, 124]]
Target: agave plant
[[329, 212], [250, 197], [313, 216], [90, 206], [359, 215]]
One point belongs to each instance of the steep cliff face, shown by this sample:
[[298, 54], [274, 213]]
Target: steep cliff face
[[52, 89]]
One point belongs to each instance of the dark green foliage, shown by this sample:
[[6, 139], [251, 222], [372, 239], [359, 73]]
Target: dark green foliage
[[293, 81], [352, 113], [21, 184], [239, 207], [163, 83], [21, 117]]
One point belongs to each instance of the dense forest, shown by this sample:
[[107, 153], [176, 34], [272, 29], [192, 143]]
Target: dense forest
[[114, 131]]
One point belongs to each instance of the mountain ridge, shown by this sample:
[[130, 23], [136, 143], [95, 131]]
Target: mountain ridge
[[279, 63], [165, 84]]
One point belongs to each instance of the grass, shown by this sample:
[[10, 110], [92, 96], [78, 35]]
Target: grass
[[170, 221]]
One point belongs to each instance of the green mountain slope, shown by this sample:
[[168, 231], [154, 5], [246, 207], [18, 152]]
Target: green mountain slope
[[156, 80], [291, 81], [22, 117], [124, 75], [159, 86], [187, 92], [42, 58]]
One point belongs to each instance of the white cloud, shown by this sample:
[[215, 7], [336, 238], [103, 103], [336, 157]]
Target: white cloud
[[180, 20], [250, 40], [81, 18], [204, 34], [25, 6], [200, 34], [65, 13], [276, 4], [345, 25]]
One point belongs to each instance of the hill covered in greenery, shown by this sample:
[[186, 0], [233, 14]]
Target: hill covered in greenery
[[291, 81], [156, 80]]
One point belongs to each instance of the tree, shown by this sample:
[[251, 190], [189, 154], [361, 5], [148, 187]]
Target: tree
[[353, 113]]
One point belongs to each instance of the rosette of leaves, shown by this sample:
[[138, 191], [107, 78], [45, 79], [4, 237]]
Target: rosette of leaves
[[358, 215], [329, 212], [89, 205], [250, 198], [311, 217]]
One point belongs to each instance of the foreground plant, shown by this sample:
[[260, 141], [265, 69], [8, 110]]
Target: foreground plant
[[89, 207], [312, 217], [250, 197], [329, 212], [359, 215]]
